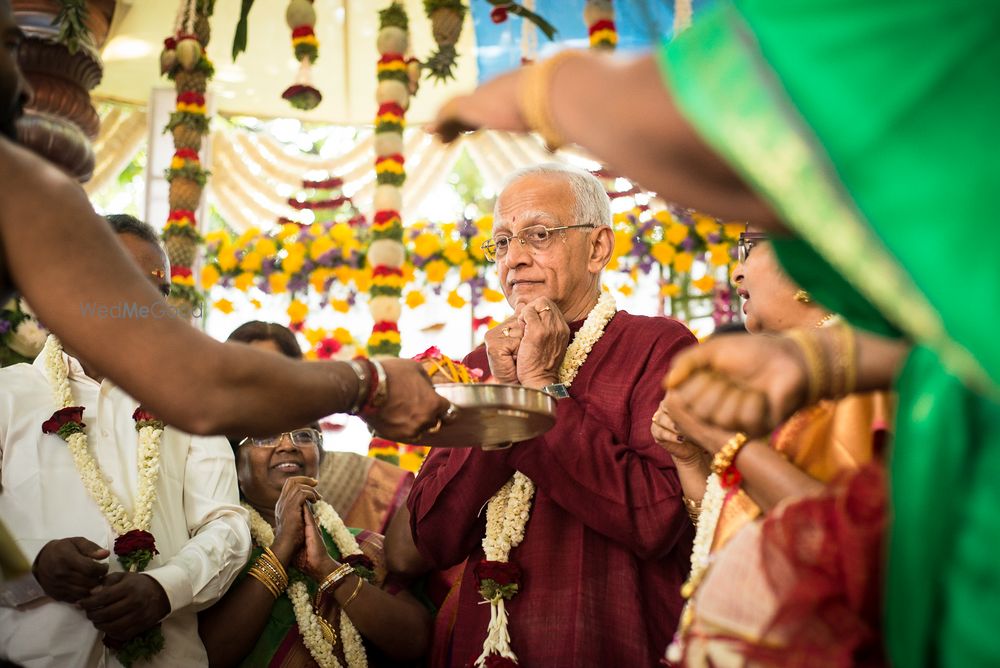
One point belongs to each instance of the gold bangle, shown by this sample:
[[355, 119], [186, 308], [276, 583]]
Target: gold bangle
[[814, 360], [382, 388], [535, 96], [357, 590], [331, 581], [693, 509], [724, 458], [849, 360], [260, 577], [269, 563]]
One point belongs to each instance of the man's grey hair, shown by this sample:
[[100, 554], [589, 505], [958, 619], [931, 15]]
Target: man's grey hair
[[122, 223], [593, 206]]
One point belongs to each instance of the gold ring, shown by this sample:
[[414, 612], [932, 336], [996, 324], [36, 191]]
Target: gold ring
[[543, 310], [436, 428], [505, 331]]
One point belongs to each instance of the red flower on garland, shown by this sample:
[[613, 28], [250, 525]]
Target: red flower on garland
[[499, 14], [170, 44], [730, 478], [64, 422], [385, 216], [187, 154], [391, 108], [385, 270], [134, 540], [302, 96], [385, 326], [191, 97], [303, 31], [327, 348], [500, 572], [182, 272], [603, 24], [325, 184], [144, 418]]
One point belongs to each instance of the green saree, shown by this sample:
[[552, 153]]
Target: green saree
[[871, 128]]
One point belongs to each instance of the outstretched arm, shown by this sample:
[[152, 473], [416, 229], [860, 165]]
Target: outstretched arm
[[62, 256]]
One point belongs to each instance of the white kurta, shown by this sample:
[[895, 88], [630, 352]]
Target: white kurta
[[201, 531]]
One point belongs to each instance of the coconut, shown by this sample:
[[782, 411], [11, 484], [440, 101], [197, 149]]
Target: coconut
[[188, 53], [385, 309], [388, 143], [388, 198], [392, 90], [386, 252], [300, 13], [392, 40]]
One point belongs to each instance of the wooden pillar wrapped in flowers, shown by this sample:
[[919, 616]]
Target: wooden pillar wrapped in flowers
[[183, 60], [599, 15], [386, 253]]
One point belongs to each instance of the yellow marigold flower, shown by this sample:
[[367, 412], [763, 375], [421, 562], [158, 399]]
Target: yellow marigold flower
[[297, 311], [705, 283], [485, 225], [209, 276], [227, 259], [718, 254], [310, 355], [363, 279], [623, 242], [343, 336], [316, 230], [476, 246], [426, 244], [317, 278], [447, 229], [342, 233], [320, 247], [340, 305], [251, 261], [625, 290], [278, 281], [663, 252], [223, 305], [343, 274], [491, 295], [454, 252], [436, 270], [314, 336], [256, 303], [663, 217], [467, 270], [670, 290], [414, 299], [266, 247], [217, 237], [683, 261], [244, 281], [707, 227], [676, 232], [287, 230], [247, 237], [733, 230], [408, 271], [456, 300], [293, 262], [613, 263]]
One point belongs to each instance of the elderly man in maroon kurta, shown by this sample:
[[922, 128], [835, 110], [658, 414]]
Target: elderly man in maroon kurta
[[608, 541]]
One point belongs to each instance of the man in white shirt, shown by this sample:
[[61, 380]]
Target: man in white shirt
[[79, 595]]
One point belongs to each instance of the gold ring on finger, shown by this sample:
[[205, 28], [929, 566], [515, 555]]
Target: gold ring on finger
[[436, 428], [505, 331]]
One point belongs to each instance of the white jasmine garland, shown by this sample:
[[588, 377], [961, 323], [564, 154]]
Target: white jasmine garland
[[148, 458], [310, 626], [509, 509], [701, 558]]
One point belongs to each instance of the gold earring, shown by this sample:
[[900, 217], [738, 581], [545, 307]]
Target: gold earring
[[803, 297]]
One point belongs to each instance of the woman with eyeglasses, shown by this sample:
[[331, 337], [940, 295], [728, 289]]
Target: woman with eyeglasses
[[776, 547], [314, 592]]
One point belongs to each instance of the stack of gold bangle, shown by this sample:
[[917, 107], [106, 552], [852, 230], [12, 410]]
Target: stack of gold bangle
[[357, 590], [812, 353], [724, 458], [269, 572], [330, 582]]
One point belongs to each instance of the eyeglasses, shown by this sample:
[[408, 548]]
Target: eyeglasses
[[747, 242], [300, 438], [538, 237]]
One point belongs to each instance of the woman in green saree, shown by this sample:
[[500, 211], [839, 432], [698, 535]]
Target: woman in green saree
[[863, 128]]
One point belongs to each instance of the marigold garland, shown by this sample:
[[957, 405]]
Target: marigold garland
[[599, 15]]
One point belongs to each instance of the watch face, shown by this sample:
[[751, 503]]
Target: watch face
[[558, 390]]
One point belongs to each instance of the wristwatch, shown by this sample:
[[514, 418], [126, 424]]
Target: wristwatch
[[556, 390]]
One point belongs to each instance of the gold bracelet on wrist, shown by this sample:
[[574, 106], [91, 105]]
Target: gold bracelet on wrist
[[331, 581], [812, 352], [258, 575], [357, 590], [364, 382], [382, 386], [693, 509], [535, 97], [724, 458]]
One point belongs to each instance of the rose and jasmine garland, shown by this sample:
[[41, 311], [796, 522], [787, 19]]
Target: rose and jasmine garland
[[135, 545], [508, 511], [317, 634]]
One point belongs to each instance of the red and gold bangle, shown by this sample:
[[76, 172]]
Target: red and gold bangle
[[723, 461]]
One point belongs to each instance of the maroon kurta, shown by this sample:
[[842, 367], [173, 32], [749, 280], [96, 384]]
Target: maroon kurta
[[608, 543]]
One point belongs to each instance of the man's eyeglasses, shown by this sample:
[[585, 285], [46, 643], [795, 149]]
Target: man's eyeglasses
[[538, 237], [300, 438], [746, 243]]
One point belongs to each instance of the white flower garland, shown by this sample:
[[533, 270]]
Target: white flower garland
[[509, 509], [148, 459], [701, 558], [310, 627]]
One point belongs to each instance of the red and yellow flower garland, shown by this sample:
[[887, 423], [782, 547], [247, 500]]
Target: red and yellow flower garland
[[599, 15]]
